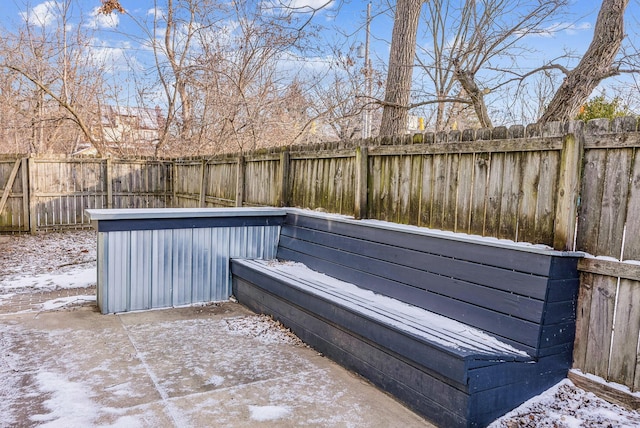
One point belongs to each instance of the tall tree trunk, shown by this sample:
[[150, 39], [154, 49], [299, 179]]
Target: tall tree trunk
[[403, 50], [596, 64]]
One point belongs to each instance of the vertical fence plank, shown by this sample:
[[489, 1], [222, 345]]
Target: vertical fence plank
[[362, 181], [426, 194], [528, 198], [512, 180], [109, 181], [632, 239], [203, 184], [439, 191], [583, 318], [624, 345], [547, 196], [494, 194], [603, 298], [33, 214], [284, 172], [591, 200], [479, 193], [614, 202], [451, 192], [404, 189], [464, 197], [25, 194], [240, 181]]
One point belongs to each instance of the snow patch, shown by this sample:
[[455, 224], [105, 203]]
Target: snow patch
[[69, 403], [78, 277], [412, 319], [61, 302], [601, 381], [215, 380], [268, 413]]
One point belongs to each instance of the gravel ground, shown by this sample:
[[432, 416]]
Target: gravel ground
[[36, 265]]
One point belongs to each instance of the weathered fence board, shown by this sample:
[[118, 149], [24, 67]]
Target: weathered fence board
[[624, 344], [13, 191], [631, 249]]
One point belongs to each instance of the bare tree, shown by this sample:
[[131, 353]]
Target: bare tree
[[475, 38], [59, 80], [596, 65]]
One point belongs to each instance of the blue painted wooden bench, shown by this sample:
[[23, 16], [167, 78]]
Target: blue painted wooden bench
[[461, 329]]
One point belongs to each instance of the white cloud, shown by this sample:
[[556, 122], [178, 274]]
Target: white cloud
[[43, 14], [113, 59], [569, 28], [100, 20], [310, 4], [296, 6]]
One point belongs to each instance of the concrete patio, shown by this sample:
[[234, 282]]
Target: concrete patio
[[214, 365]]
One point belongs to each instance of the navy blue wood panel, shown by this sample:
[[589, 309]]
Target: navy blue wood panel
[[507, 373], [486, 406], [560, 290], [564, 268], [509, 280], [187, 223], [449, 362], [427, 395], [520, 333], [444, 284], [539, 264], [559, 312]]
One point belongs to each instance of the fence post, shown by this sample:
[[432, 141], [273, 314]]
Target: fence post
[[240, 182], [568, 192], [109, 180], [285, 158], [203, 183], [362, 180], [33, 217]]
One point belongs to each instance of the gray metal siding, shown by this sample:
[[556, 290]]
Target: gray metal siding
[[145, 269]]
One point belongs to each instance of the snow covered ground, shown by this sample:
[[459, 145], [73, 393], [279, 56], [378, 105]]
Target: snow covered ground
[[57, 262]]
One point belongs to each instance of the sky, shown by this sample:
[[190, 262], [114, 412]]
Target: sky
[[343, 22]]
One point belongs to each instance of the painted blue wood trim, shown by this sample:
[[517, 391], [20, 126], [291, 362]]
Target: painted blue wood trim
[[185, 223]]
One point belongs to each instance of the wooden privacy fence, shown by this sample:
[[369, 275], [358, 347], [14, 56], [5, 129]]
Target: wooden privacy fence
[[45, 193], [508, 187], [570, 186]]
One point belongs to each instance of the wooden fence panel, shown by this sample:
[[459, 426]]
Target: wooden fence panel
[[262, 185], [222, 180], [14, 215], [188, 181], [141, 184], [62, 188], [322, 182]]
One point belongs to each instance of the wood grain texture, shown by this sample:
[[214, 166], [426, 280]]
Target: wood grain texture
[[603, 298], [611, 394], [624, 345], [631, 249]]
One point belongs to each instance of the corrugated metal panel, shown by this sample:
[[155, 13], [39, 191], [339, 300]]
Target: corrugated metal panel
[[144, 269]]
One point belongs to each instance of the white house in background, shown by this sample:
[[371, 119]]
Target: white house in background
[[131, 126]]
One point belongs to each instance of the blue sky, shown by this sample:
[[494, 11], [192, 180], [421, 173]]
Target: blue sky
[[573, 31], [344, 22]]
